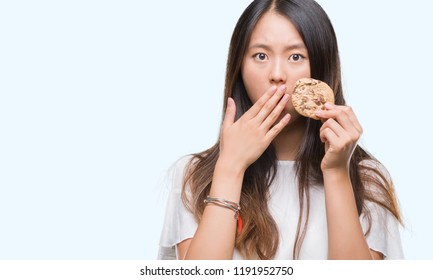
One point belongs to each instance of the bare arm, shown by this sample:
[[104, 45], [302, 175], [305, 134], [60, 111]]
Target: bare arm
[[340, 133], [215, 235], [345, 236], [241, 143]]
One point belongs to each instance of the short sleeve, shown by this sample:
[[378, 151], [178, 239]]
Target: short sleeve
[[384, 233], [179, 223]]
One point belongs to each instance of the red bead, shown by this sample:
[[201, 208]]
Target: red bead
[[239, 224]]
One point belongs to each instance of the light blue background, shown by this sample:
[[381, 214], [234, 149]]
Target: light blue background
[[99, 98]]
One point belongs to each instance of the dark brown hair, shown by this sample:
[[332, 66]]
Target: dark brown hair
[[259, 237]]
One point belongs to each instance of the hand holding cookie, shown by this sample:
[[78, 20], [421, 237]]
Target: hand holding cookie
[[340, 132]]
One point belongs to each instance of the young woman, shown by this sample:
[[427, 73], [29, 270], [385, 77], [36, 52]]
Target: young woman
[[278, 185]]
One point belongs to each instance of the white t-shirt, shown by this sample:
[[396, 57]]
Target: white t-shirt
[[180, 224]]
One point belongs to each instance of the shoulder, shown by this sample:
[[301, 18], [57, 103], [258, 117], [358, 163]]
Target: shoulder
[[367, 165], [379, 191], [179, 222], [374, 173], [181, 164], [177, 171], [377, 181]]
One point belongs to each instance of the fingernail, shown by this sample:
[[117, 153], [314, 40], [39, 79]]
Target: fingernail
[[329, 105], [318, 113], [230, 102], [282, 87]]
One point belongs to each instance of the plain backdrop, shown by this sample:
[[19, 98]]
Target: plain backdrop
[[99, 98]]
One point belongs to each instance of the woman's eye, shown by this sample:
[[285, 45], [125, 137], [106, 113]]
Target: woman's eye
[[296, 57], [260, 56]]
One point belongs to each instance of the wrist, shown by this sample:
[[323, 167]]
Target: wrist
[[229, 166], [227, 181], [336, 174]]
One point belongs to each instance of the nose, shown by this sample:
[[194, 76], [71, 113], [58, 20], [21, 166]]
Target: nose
[[278, 73]]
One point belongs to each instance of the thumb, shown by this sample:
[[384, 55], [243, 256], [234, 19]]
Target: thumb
[[230, 114]]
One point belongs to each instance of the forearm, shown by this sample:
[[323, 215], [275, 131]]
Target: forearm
[[345, 236], [216, 233]]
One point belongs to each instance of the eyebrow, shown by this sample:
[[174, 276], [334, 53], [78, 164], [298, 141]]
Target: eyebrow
[[287, 48]]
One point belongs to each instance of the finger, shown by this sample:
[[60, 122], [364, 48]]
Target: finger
[[270, 105], [328, 136], [229, 117], [255, 109], [273, 116], [346, 136], [349, 113], [334, 112], [338, 130], [343, 114], [276, 129]]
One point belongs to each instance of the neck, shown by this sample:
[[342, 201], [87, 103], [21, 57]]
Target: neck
[[287, 143]]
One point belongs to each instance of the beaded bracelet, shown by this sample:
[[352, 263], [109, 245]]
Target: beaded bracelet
[[229, 205]]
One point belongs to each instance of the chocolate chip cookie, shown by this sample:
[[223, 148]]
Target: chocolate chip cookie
[[311, 95]]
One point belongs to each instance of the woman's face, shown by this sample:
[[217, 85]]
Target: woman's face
[[276, 55]]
